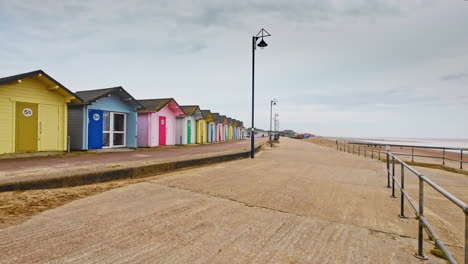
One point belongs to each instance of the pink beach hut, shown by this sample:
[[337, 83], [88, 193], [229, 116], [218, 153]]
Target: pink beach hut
[[157, 122]]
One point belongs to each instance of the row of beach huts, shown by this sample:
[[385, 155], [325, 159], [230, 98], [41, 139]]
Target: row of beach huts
[[37, 113]]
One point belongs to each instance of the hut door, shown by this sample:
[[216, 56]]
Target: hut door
[[212, 132], [189, 131], [162, 130], [26, 127], [49, 128], [95, 129]]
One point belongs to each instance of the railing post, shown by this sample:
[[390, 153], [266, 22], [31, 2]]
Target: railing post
[[337, 145], [388, 170], [466, 237], [365, 154], [402, 202], [393, 177], [379, 153], [461, 161], [372, 149], [420, 253], [353, 148], [412, 154], [443, 157], [359, 150]]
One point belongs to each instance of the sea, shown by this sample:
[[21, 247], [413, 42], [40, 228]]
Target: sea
[[426, 142]]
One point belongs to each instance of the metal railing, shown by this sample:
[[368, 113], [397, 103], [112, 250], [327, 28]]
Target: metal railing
[[443, 151], [419, 209]]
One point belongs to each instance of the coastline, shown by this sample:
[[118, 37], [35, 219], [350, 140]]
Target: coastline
[[452, 158]]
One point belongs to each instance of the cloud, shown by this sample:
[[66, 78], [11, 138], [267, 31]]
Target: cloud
[[452, 77], [328, 61]]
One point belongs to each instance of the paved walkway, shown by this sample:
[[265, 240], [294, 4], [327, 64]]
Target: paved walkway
[[296, 203], [36, 168]]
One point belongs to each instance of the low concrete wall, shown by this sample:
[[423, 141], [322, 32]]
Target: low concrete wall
[[121, 173]]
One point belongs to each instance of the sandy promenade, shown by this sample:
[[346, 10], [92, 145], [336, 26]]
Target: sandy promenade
[[296, 203]]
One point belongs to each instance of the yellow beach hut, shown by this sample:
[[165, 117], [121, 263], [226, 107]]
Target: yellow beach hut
[[202, 126], [33, 113], [230, 128]]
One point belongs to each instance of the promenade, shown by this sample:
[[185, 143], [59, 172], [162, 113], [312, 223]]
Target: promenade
[[38, 169], [295, 203]]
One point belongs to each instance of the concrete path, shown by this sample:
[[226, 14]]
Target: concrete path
[[297, 203], [37, 168]]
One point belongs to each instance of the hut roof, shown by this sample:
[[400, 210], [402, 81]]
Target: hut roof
[[189, 109], [90, 96], [36, 75]]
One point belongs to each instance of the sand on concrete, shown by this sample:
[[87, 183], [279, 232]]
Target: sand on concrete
[[296, 203]]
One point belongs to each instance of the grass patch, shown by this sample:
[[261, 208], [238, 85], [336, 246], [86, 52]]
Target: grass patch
[[438, 253]]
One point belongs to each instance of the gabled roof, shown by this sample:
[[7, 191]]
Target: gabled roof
[[207, 115], [91, 96], [38, 74], [216, 117], [222, 118], [152, 105], [155, 104], [189, 109]]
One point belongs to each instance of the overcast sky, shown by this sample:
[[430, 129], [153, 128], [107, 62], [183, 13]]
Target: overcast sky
[[338, 68]]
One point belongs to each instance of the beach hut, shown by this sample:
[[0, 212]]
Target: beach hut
[[208, 130], [225, 128], [218, 126], [221, 124], [105, 118], [157, 122], [238, 129], [186, 126], [33, 113], [242, 130], [229, 131], [234, 129]]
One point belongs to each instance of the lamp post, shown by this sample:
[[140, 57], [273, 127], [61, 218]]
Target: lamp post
[[272, 102], [262, 44], [276, 122]]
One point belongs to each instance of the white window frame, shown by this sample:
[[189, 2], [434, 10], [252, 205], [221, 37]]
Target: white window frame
[[111, 131]]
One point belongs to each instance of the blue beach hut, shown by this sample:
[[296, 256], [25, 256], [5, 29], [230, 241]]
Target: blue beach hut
[[105, 119]]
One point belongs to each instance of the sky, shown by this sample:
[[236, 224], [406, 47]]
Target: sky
[[354, 68]]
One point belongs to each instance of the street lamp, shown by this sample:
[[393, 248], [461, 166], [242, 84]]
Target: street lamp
[[262, 44], [272, 102], [276, 122]]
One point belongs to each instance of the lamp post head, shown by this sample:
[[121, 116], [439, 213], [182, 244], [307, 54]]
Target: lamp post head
[[262, 44]]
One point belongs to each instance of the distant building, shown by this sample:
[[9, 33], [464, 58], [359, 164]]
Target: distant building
[[257, 132], [287, 133]]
